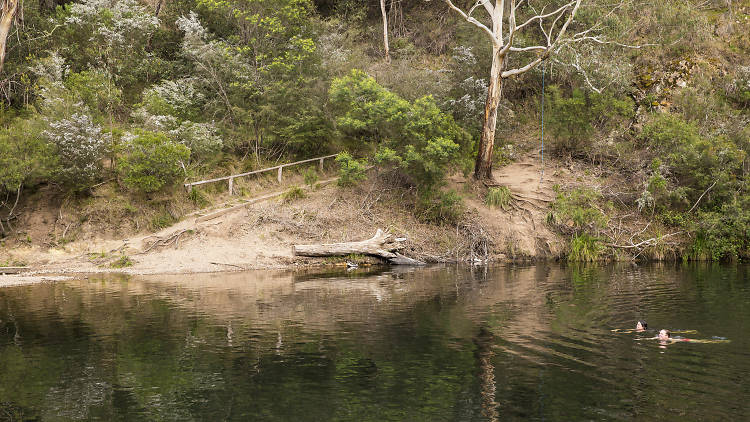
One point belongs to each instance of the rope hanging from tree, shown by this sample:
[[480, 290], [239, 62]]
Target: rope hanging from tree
[[541, 178]]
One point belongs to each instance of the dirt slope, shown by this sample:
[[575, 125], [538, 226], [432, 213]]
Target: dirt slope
[[260, 235]]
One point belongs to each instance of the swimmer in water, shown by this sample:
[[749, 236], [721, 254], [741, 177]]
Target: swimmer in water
[[665, 337], [641, 326]]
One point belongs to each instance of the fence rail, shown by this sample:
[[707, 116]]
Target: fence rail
[[279, 168]]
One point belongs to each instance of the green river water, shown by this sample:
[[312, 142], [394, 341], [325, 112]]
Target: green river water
[[434, 344]]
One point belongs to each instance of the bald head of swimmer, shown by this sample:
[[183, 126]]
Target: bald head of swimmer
[[641, 325], [664, 335]]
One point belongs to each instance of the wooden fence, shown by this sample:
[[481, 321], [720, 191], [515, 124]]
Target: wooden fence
[[279, 168]]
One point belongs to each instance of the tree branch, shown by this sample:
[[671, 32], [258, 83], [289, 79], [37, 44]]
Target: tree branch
[[600, 41], [550, 48], [473, 21], [647, 242], [546, 15], [701, 197]]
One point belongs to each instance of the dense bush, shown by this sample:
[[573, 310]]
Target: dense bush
[[694, 161], [574, 119], [26, 156], [723, 234], [576, 211], [738, 87], [417, 139], [111, 35], [151, 162], [351, 171], [81, 146], [440, 207]]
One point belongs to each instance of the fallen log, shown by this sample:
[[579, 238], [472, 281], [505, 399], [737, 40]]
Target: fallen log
[[382, 245]]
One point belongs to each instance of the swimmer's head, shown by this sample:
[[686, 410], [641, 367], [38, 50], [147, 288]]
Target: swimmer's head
[[641, 325], [664, 335]]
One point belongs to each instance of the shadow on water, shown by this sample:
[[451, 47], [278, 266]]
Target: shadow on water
[[432, 344]]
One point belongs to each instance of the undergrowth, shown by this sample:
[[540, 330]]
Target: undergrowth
[[585, 248], [294, 193], [121, 262], [498, 197]]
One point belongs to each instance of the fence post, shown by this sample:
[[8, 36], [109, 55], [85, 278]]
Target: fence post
[[279, 176], [320, 165], [231, 185]]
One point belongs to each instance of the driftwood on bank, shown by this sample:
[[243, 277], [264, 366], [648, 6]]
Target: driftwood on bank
[[383, 245]]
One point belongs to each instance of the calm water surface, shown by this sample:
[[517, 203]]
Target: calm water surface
[[436, 344]]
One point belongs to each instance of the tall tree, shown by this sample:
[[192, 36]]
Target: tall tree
[[545, 24], [385, 31], [9, 12]]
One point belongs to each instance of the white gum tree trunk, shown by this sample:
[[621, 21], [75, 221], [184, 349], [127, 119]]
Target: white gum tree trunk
[[9, 9], [483, 165], [501, 27], [385, 31]]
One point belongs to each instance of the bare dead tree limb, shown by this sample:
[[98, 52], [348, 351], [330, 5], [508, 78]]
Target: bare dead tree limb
[[701, 197], [647, 242]]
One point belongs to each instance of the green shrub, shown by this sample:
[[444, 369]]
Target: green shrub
[[96, 89], [668, 131], [351, 171], [723, 234], [738, 88], [152, 161], [498, 197], [294, 193], [26, 158], [585, 248], [695, 162], [81, 146], [576, 211], [572, 120], [311, 177], [416, 139], [440, 207]]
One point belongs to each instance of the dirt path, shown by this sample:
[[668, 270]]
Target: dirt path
[[520, 231]]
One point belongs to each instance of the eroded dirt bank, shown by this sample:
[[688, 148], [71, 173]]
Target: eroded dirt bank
[[260, 235]]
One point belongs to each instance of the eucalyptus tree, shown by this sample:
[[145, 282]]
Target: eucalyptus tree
[[532, 30], [8, 15], [385, 31]]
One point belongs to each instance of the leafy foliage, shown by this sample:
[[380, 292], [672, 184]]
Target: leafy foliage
[[723, 234], [574, 119], [738, 88], [311, 177], [440, 207], [82, 146], [26, 156], [696, 162], [151, 162], [110, 34], [576, 211], [351, 171], [417, 138]]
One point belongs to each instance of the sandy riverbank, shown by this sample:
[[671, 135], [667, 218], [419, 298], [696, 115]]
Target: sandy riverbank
[[261, 235]]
